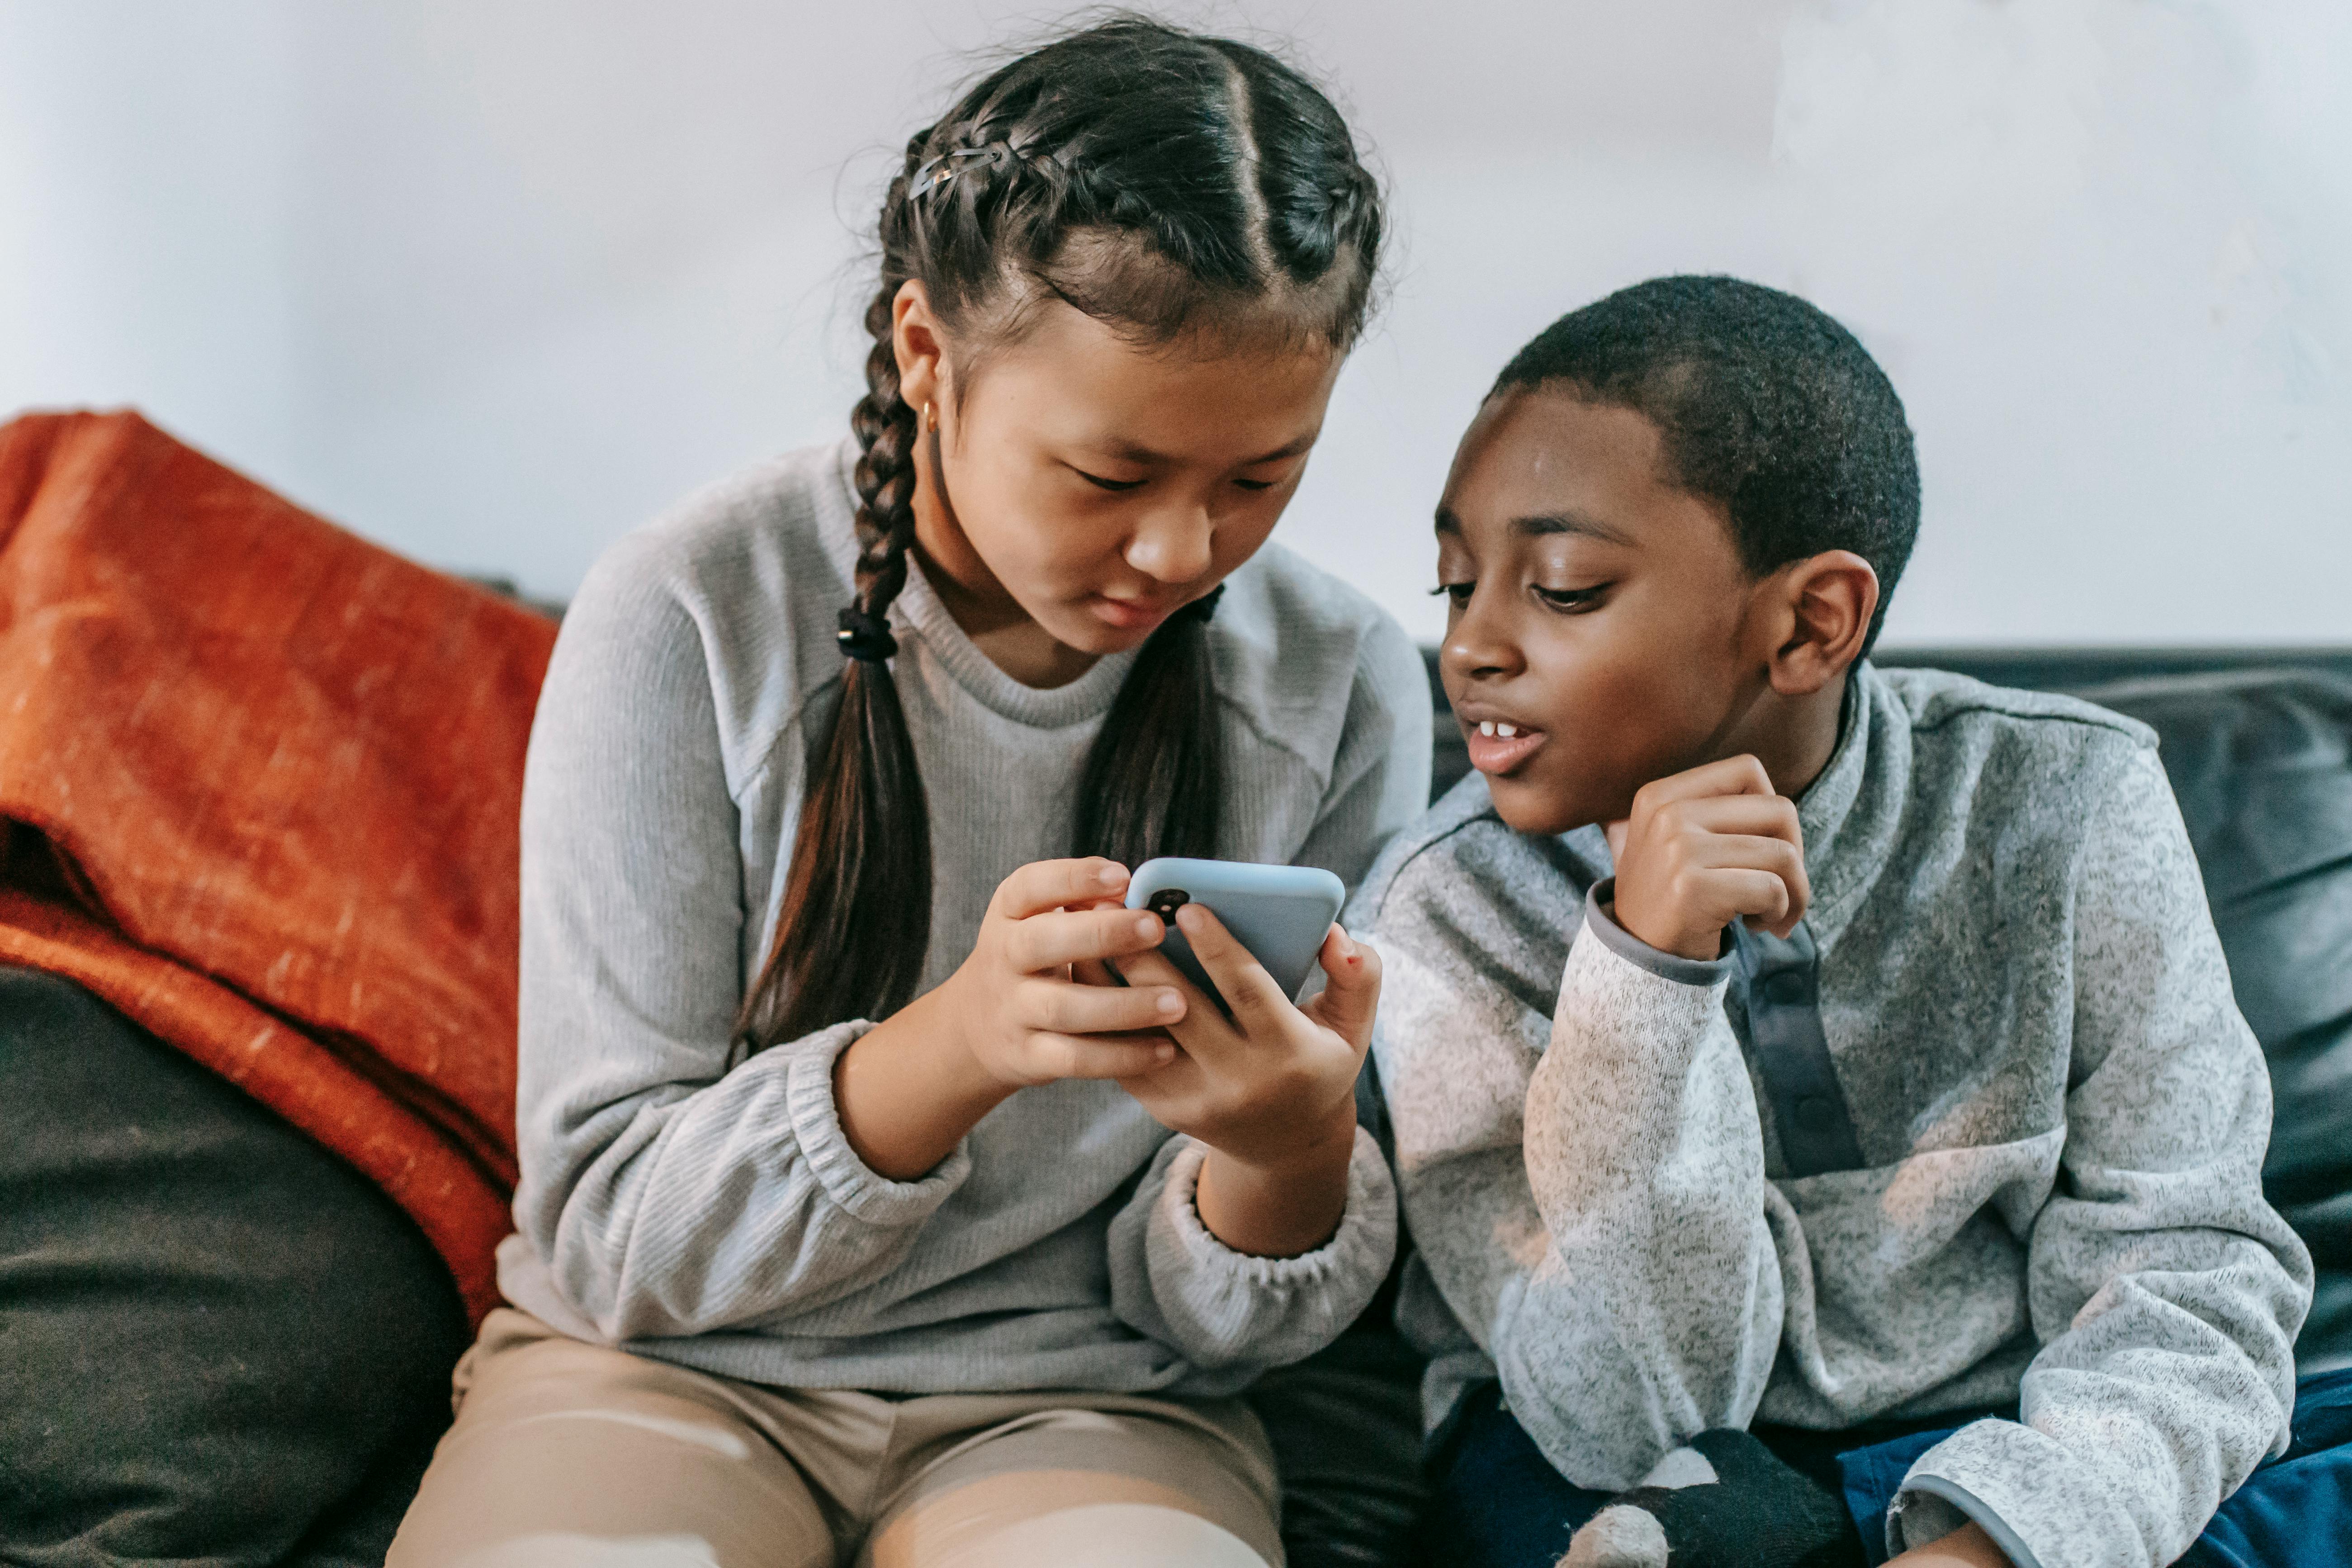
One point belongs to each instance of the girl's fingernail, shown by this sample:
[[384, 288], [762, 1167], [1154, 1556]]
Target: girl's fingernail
[[1147, 928], [1169, 1004], [1164, 1053], [1112, 875]]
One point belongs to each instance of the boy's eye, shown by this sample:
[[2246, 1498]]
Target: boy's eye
[[1256, 484], [1458, 593], [1115, 486]]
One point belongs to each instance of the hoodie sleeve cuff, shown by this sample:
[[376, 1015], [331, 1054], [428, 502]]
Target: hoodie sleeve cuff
[[2021, 1486], [861, 1191], [1935, 1508], [1600, 915]]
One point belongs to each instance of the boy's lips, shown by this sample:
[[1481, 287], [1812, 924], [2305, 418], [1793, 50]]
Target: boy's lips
[[1492, 752]]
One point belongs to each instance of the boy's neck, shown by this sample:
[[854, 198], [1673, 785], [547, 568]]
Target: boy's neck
[[1794, 737]]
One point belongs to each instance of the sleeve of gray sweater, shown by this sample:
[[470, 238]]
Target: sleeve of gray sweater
[[2165, 1292], [1655, 1310]]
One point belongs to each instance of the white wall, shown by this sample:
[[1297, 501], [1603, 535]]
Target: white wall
[[493, 282]]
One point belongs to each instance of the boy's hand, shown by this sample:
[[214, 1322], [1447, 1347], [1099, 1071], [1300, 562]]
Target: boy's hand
[[1272, 1093], [1967, 1547], [1704, 849]]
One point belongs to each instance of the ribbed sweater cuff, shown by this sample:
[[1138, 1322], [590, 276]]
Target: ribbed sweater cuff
[[1228, 1292], [816, 1122]]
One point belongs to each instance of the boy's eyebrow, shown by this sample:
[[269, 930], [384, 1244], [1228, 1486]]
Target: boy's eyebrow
[[1572, 522], [1548, 522]]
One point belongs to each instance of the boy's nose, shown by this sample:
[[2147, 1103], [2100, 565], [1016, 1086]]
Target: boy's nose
[[1477, 647]]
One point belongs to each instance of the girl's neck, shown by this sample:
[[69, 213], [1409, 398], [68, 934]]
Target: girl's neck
[[977, 603]]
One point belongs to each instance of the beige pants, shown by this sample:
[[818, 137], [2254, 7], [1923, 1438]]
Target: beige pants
[[568, 1455]]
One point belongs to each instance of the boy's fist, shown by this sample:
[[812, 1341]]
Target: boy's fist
[[1704, 849]]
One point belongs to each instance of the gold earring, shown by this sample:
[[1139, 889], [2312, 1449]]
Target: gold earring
[[928, 423]]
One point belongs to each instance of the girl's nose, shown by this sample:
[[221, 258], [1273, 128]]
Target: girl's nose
[[1173, 543]]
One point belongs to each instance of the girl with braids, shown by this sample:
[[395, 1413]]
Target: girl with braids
[[886, 1197]]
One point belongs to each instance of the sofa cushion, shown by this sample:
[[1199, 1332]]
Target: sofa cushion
[[219, 1343]]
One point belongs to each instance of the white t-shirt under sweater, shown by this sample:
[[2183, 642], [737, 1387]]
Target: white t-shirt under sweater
[[707, 1210]]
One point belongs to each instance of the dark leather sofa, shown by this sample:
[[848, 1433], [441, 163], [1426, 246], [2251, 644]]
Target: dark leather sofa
[[218, 1345]]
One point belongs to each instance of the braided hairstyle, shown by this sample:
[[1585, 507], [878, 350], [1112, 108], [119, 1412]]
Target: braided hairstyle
[[1164, 183]]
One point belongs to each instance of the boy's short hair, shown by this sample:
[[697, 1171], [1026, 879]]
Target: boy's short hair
[[1766, 405]]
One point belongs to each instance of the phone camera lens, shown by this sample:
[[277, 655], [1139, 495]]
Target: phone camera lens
[[1166, 902]]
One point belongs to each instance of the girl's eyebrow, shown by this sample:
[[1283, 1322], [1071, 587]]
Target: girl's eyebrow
[[1128, 451]]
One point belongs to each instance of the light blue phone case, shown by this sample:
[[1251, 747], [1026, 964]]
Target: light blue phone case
[[1280, 913]]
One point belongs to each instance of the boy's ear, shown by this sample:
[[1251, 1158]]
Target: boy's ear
[[1829, 600]]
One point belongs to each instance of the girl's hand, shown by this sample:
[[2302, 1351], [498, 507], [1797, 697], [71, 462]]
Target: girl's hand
[[1272, 1093], [909, 1089], [1016, 1008]]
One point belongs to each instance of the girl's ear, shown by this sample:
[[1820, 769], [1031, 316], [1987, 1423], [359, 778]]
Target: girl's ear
[[920, 348], [1830, 599]]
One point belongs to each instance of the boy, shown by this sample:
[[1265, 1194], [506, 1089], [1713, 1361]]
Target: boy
[[1773, 1042]]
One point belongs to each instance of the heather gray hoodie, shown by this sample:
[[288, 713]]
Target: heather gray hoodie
[[1988, 1127]]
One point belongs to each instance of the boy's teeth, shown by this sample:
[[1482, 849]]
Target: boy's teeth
[[1485, 726], [1506, 730]]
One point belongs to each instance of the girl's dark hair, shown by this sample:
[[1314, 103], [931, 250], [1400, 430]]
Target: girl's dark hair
[[1166, 184]]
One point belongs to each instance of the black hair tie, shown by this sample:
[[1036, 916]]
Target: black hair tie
[[865, 637], [1203, 607]]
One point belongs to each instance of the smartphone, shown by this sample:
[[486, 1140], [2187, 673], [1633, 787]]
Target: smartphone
[[1281, 913]]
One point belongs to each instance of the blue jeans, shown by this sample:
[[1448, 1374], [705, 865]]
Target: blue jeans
[[1499, 1504]]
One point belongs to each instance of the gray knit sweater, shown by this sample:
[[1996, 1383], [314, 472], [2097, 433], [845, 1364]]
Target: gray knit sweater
[[708, 1210], [1989, 1126]]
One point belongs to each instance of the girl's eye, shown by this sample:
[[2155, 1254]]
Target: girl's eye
[[1256, 484], [1115, 486], [1569, 600], [1458, 593]]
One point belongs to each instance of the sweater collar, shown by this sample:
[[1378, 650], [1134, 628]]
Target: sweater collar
[[1851, 814]]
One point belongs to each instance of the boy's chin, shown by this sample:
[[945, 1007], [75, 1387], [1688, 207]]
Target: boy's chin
[[1534, 807]]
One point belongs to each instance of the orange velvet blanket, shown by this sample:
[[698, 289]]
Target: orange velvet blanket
[[261, 781]]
